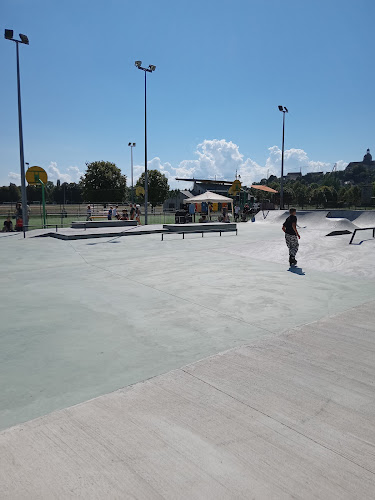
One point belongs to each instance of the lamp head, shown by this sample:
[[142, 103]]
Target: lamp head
[[286, 109], [8, 34], [134, 144], [152, 67], [280, 108], [129, 144], [24, 39], [138, 63]]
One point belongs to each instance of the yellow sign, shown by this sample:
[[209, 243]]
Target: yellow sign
[[139, 190], [235, 187], [33, 175]]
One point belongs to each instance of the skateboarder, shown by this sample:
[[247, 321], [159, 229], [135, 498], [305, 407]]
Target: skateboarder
[[291, 236]]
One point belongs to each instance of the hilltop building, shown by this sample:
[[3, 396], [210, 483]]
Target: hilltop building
[[366, 162]]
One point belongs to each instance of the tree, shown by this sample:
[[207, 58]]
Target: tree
[[102, 182], [14, 192], [158, 187]]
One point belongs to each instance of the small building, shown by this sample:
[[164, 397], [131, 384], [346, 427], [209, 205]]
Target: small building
[[176, 202], [202, 185], [293, 176]]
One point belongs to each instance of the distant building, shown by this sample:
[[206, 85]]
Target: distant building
[[367, 161], [178, 201], [202, 185], [293, 176]]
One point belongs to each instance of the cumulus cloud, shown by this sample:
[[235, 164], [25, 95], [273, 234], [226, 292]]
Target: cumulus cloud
[[220, 159], [72, 174], [15, 178]]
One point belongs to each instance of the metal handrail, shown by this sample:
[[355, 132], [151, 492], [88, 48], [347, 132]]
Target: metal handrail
[[202, 231], [362, 229]]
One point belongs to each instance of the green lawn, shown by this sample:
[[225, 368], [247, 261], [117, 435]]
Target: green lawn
[[36, 222]]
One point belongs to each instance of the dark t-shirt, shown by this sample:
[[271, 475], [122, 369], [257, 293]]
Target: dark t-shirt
[[8, 224], [288, 225]]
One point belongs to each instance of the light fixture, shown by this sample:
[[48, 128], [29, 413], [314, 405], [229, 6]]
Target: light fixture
[[24, 39], [138, 63], [152, 67], [8, 34]]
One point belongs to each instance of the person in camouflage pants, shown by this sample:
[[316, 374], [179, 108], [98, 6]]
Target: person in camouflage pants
[[291, 235]]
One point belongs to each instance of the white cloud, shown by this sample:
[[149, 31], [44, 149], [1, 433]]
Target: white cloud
[[72, 174], [15, 178], [220, 158]]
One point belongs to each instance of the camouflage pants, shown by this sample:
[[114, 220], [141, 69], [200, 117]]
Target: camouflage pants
[[292, 244]]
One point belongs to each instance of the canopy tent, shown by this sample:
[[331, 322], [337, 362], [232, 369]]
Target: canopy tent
[[263, 188], [209, 197]]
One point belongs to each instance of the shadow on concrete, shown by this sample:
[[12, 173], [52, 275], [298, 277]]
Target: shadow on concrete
[[296, 270]]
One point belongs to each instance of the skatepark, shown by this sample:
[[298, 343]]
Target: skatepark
[[195, 367]]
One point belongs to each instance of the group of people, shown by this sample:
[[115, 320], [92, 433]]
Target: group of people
[[114, 213], [8, 226]]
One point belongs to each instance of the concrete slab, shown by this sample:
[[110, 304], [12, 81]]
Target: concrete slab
[[102, 314], [291, 416]]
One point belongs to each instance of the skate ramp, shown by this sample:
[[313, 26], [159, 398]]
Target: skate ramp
[[366, 219], [342, 225], [271, 216]]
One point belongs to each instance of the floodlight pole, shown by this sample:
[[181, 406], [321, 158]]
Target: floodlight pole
[[146, 173], [132, 145], [22, 159], [283, 110], [150, 69]]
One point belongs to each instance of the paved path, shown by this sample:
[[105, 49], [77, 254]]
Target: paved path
[[291, 416]]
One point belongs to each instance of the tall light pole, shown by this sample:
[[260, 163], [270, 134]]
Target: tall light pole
[[150, 69], [23, 39], [132, 145], [284, 110]]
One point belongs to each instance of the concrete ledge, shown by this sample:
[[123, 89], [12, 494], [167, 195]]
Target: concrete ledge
[[102, 223]]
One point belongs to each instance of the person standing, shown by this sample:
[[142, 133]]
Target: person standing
[[138, 214], [192, 211], [236, 212], [114, 212], [88, 212], [110, 213], [291, 236], [132, 211]]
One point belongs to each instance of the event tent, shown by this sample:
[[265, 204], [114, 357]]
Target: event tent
[[209, 197]]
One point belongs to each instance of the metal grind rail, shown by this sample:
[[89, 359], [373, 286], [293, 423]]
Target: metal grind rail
[[362, 229], [200, 232]]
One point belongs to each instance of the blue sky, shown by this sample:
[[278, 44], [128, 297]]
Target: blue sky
[[221, 70]]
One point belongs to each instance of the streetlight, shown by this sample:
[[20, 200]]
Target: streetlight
[[23, 39], [284, 110], [132, 145], [150, 69]]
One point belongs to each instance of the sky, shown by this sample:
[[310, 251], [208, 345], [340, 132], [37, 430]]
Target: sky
[[222, 68]]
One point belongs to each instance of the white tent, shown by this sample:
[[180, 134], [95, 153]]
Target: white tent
[[209, 197]]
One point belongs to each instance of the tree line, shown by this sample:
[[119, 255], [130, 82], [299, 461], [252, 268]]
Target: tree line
[[329, 190], [102, 182]]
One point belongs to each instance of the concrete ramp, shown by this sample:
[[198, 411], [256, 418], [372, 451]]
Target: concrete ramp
[[366, 219]]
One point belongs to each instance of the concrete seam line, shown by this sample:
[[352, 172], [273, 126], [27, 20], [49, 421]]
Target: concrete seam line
[[281, 423]]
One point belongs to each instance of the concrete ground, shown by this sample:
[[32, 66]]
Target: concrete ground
[[104, 314]]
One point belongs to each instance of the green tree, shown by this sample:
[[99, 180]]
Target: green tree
[[158, 187], [14, 192], [102, 182]]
